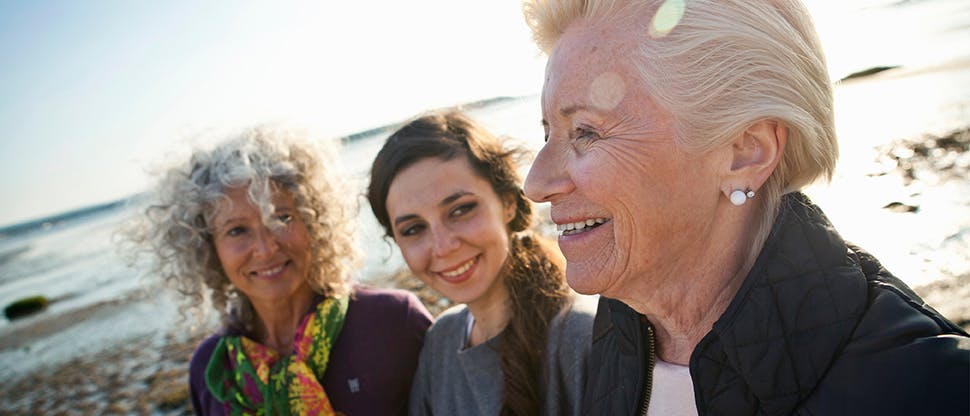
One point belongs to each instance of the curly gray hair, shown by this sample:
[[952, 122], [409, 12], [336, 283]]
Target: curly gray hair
[[175, 232]]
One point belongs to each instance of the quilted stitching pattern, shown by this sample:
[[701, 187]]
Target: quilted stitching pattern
[[795, 312], [817, 328]]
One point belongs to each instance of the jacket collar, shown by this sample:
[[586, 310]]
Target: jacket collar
[[795, 311]]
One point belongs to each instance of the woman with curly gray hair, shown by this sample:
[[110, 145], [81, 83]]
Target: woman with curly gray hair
[[261, 226]]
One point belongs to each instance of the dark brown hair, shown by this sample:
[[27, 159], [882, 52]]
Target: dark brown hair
[[533, 272]]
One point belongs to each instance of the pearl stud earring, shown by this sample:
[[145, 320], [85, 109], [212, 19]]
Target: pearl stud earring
[[739, 197]]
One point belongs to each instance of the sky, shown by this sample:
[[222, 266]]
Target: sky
[[93, 94]]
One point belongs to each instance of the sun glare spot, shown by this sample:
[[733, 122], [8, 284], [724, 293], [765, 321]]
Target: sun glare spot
[[667, 17], [607, 90]]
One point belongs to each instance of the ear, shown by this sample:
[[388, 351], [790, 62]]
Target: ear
[[509, 208], [755, 153]]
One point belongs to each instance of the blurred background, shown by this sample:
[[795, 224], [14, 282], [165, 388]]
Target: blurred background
[[97, 95]]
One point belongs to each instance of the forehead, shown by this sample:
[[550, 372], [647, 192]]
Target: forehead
[[236, 200], [428, 181], [591, 64]]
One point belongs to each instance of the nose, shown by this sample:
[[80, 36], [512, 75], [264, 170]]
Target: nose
[[264, 242], [444, 241], [548, 177]]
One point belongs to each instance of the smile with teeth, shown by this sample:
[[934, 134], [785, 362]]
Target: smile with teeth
[[460, 269], [579, 227], [269, 272]]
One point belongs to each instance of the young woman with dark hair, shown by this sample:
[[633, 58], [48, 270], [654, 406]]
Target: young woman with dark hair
[[449, 194]]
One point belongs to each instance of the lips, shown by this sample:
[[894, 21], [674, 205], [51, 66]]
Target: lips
[[270, 272], [578, 227], [461, 272]]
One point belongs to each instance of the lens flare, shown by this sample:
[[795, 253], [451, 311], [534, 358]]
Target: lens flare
[[667, 18], [607, 90]]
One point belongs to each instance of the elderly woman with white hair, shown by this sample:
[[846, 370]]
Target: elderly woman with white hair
[[261, 226], [678, 135]]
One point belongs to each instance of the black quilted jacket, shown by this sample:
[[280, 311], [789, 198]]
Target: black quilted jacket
[[817, 328]]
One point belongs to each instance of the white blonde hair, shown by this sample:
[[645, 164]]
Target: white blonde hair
[[723, 66], [175, 231]]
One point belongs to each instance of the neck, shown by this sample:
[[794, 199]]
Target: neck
[[688, 298], [491, 313], [277, 322], [683, 314]]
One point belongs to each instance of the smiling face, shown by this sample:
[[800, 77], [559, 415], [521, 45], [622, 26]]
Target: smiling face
[[632, 207], [268, 265], [452, 229]]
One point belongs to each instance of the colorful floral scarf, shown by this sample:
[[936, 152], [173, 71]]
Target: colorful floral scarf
[[251, 379]]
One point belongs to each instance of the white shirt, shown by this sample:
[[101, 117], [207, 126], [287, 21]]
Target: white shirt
[[673, 391]]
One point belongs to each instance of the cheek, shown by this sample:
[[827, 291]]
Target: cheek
[[596, 174], [297, 244], [299, 236], [225, 256], [643, 176], [416, 257], [229, 265], [489, 229], [302, 247]]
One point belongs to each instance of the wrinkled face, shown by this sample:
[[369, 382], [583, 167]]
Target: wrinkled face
[[632, 206], [268, 265], [452, 229]]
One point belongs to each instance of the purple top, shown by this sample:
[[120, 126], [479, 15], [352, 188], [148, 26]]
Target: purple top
[[371, 363]]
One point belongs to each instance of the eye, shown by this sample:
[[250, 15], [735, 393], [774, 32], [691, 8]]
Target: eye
[[236, 231], [545, 131], [285, 218], [411, 230], [585, 133], [463, 209]]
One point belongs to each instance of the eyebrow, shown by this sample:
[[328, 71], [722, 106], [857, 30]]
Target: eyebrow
[[445, 201], [571, 109], [568, 111], [219, 225]]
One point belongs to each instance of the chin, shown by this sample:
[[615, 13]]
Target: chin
[[583, 281]]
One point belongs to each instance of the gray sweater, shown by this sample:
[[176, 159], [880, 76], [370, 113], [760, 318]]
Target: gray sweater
[[453, 380]]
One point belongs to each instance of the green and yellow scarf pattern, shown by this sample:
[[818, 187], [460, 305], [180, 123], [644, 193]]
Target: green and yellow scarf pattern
[[252, 379]]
